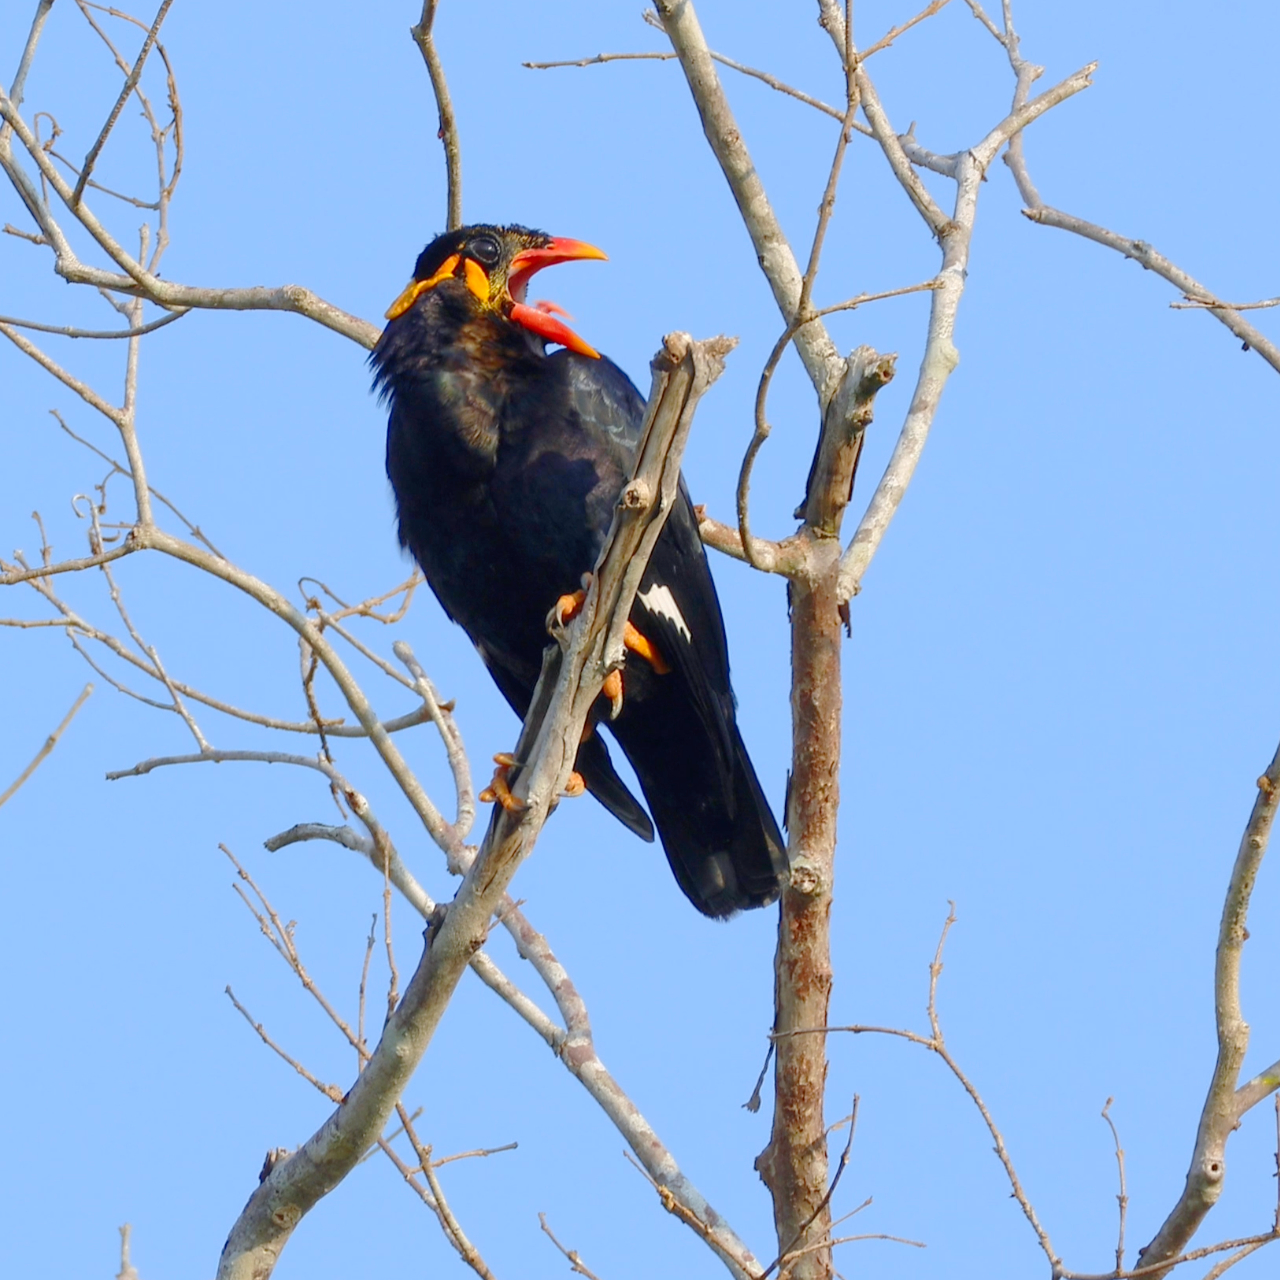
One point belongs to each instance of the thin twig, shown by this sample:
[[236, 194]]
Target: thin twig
[[576, 1265], [448, 134], [886, 40], [49, 743], [452, 1228], [130, 82], [69, 331], [330, 1091], [370, 943], [763, 76], [1123, 1197]]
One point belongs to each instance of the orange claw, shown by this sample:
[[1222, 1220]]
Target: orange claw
[[568, 607], [612, 689], [637, 643], [498, 790], [576, 784]]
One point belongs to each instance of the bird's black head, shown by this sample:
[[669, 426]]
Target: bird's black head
[[495, 265]]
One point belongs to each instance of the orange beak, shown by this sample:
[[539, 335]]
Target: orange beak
[[538, 319]]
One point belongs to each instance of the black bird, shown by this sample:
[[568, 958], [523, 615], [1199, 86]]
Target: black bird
[[507, 464]]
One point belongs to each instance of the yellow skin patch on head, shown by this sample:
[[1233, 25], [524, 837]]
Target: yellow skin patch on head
[[418, 287], [475, 275], [477, 279]]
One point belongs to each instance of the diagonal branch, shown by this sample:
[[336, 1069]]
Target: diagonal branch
[[49, 743], [777, 261], [131, 81], [547, 748]]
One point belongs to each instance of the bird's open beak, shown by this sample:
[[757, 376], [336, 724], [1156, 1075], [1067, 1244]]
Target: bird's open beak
[[536, 320]]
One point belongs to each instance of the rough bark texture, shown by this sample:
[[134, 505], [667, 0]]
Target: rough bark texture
[[794, 1164]]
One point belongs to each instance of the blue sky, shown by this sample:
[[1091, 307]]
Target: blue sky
[[1060, 687]]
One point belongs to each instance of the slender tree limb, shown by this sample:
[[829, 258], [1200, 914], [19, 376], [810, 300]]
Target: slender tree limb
[[1152, 260], [889, 37], [485, 969], [777, 261], [576, 1265], [763, 76], [424, 38], [1122, 1198], [131, 81], [136, 280], [1224, 1106], [49, 743], [69, 331], [18, 89]]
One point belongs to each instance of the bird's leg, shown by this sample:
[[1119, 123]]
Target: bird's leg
[[498, 790], [576, 784]]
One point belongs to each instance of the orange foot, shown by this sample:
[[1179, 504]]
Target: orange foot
[[637, 643], [498, 790], [568, 607], [576, 784]]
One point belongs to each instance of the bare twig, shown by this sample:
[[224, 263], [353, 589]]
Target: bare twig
[[1198, 304], [452, 1228], [127, 1270], [69, 331], [1122, 1198], [425, 39], [49, 743], [763, 76], [777, 261], [1225, 1104], [330, 1091], [889, 37], [130, 83], [576, 1265]]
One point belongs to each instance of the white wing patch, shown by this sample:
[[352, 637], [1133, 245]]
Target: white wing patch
[[659, 600]]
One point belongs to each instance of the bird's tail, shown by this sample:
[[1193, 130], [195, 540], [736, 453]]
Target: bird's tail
[[726, 851]]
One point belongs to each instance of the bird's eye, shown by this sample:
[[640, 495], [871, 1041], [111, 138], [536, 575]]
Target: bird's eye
[[485, 250]]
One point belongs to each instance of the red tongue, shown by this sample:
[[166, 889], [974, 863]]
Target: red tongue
[[547, 326]]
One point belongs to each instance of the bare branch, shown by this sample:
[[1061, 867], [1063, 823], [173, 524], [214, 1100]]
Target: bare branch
[[83, 390], [773, 251], [889, 37], [330, 1091], [452, 1229], [1224, 1107], [547, 749], [763, 76], [127, 1270], [448, 134], [1123, 1197], [130, 83], [576, 1265], [69, 331], [1151, 260], [18, 89], [49, 743], [1196, 304]]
